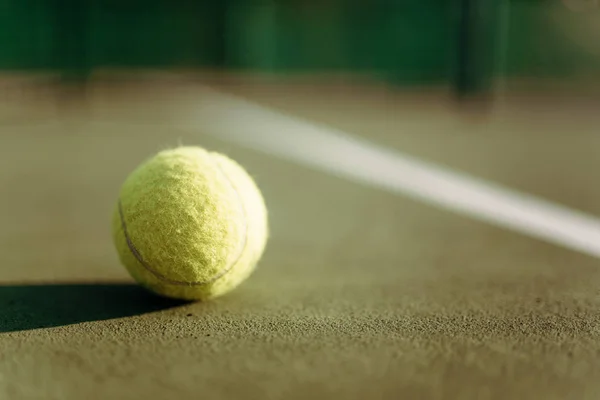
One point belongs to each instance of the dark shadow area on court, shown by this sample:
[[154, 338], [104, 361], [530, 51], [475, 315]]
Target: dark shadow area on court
[[24, 307]]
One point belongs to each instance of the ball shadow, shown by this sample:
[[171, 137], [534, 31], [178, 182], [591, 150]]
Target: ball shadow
[[25, 307]]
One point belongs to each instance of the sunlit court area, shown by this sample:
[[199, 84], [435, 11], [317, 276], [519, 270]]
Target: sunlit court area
[[300, 199]]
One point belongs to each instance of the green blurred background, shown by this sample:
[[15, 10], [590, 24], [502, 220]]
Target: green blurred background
[[464, 42]]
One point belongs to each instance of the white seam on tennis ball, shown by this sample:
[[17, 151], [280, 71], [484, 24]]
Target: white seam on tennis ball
[[241, 246], [244, 240]]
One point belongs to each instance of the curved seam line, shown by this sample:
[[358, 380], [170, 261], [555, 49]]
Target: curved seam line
[[221, 273]]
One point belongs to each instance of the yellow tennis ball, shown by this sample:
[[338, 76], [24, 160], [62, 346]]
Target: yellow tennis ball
[[190, 224]]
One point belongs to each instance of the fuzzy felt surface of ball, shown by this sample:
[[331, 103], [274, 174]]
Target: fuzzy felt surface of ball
[[190, 224]]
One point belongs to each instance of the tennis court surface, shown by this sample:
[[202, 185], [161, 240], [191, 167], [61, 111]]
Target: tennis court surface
[[366, 291]]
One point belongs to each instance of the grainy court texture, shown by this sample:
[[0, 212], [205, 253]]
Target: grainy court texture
[[361, 294]]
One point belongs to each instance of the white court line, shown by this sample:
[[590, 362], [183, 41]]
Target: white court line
[[269, 131]]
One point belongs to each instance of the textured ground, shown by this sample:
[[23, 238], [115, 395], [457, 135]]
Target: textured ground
[[361, 294]]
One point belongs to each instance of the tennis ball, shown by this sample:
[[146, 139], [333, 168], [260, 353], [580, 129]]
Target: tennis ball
[[190, 224]]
